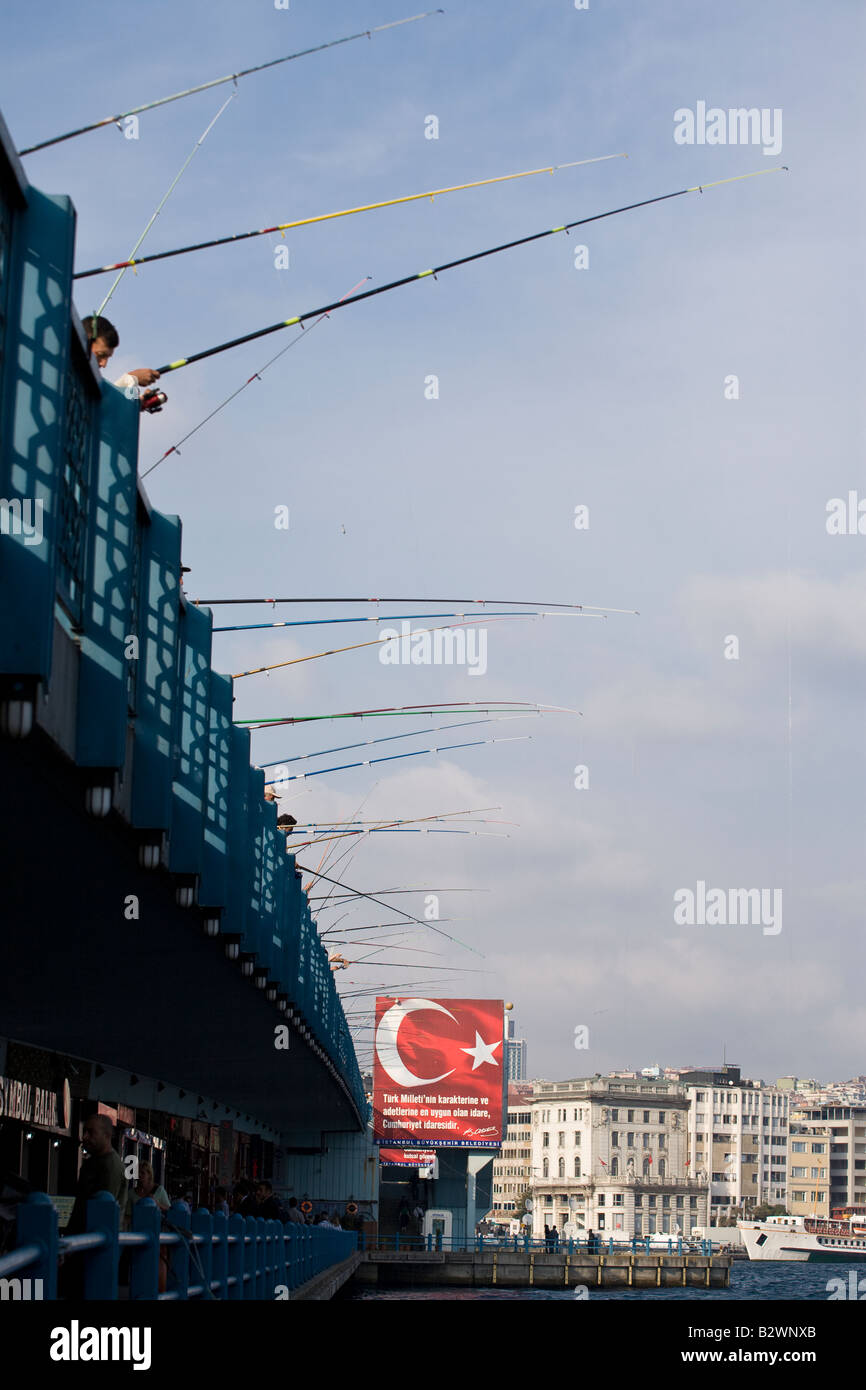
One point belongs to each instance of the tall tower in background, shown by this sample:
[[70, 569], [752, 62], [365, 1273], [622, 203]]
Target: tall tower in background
[[515, 1053]]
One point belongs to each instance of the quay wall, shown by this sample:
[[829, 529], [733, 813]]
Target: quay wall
[[542, 1269]]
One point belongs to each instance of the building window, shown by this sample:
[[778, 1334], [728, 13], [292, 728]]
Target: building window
[[800, 1148], [562, 1167], [545, 1139], [577, 1138], [600, 1202], [614, 1139], [618, 1199], [630, 1116], [577, 1167], [661, 1117], [661, 1167], [614, 1115], [629, 1139], [646, 1118], [562, 1139], [646, 1169], [614, 1167], [661, 1141], [545, 1168], [646, 1141]]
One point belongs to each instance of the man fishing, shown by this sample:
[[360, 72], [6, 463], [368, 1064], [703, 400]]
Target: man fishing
[[102, 339]]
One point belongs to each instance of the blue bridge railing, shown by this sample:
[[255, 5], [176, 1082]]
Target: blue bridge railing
[[203, 1256]]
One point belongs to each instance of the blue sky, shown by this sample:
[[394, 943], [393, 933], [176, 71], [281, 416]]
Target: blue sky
[[557, 387]]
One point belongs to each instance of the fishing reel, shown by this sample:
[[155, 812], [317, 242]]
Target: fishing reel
[[152, 401]]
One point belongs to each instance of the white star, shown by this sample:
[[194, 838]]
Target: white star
[[482, 1051]]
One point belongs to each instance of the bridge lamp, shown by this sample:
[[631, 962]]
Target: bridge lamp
[[97, 800], [233, 947], [211, 926], [248, 965], [260, 979]]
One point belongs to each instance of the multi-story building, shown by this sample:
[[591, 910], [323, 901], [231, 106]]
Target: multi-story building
[[827, 1158], [738, 1138], [512, 1167], [609, 1154], [515, 1053]]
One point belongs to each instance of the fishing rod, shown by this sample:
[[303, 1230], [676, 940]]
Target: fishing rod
[[393, 758], [391, 830], [447, 265], [374, 642], [464, 707], [356, 893], [315, 897], [161, 204], [518, 602], [219, 81], [391, 738], [256, 376], [282, 227], [392, 618]]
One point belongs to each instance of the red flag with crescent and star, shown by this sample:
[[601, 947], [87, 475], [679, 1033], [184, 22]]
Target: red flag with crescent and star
[[438, 1070]]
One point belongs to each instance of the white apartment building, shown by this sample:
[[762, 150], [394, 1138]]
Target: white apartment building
[[609, 1155], [827, 1159], [512, 1166], [738, 1139]]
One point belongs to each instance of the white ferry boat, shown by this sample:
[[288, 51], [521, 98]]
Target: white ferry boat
[[817, 1239]]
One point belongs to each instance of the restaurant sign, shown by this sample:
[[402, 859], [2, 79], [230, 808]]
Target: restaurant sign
[[32, 1105]]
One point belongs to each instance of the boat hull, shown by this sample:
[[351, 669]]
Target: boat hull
[[785, 1243]]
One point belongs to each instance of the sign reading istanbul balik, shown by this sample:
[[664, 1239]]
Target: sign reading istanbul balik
[[437, 1073]]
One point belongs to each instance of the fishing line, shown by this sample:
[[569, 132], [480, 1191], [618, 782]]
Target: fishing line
[[282, 227], [256, 376], [161, 204], [356, 892], [219, 81], [448, 265]]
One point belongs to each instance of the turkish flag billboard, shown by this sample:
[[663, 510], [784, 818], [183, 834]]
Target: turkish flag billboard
[[438, 1073]]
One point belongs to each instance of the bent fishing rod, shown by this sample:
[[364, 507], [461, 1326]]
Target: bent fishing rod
[[219, 81], [446, 266]]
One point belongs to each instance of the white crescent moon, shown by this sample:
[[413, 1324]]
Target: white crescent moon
[[386, 1042]]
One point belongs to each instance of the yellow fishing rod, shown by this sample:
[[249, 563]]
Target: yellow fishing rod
[[283, 227]]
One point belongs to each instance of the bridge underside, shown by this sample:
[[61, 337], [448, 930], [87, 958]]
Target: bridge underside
[[77, 976]]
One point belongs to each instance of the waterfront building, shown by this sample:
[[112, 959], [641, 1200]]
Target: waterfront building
[[512, 1166], [827, 1158], [738, 1138], [610, 1154]]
